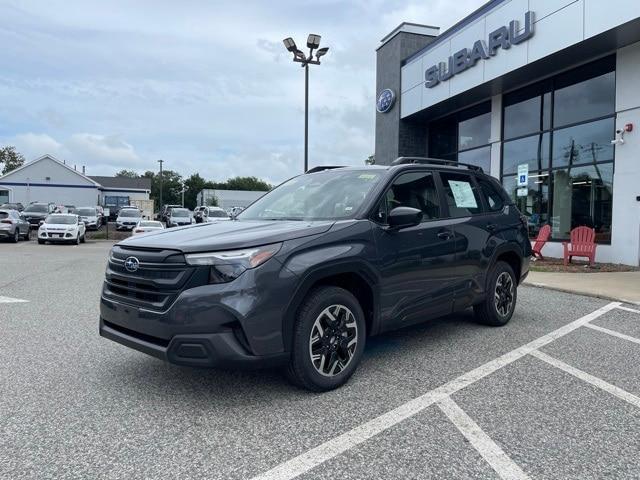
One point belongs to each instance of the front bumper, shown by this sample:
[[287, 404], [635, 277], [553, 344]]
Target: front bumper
[[158, 310], [221, 350]]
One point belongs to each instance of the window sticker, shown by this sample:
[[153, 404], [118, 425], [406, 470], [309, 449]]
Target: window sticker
[[462, 194], [367, 176]]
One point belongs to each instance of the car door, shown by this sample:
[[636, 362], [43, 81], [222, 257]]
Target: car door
[[413, 262], [474, 230]]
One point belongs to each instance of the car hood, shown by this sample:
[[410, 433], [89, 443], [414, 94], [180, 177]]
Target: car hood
[[34, 214], [204, 237], [59, 226]]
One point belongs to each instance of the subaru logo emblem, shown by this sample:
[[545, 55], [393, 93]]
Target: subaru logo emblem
[[386, 100], [131, 264]]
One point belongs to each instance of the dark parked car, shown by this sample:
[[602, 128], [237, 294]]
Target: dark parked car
[[306, 273], [12, 206], [37, 212]]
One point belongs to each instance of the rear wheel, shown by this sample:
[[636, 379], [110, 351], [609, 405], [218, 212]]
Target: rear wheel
[[328, 340], [16, 235], [500, 302]]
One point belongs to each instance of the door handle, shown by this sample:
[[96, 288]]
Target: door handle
[[445, 235], [491, 226]]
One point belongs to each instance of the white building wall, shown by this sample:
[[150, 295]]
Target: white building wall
[[558, 24]]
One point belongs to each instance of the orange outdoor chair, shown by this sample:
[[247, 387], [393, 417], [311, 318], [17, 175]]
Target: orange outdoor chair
[[582, 244], [541, 240]]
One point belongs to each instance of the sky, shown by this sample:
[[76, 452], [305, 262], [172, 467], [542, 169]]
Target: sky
[[207, 86]]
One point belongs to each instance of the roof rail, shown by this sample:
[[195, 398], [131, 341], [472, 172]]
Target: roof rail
[[323, 167], [435, 161]]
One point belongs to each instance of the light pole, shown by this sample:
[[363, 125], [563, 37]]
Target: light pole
[[313, 42], [160, 205]]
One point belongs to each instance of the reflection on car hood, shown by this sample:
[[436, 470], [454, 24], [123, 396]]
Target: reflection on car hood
[[57, 226], [204, 237]]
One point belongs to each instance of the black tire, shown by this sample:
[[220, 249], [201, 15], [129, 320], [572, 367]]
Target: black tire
[[336, 344], [77, 240], [40, 242], [493, 311], [16, 235], [83, 239]]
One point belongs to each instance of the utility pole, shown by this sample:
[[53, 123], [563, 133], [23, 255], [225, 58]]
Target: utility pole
[[160, 203]]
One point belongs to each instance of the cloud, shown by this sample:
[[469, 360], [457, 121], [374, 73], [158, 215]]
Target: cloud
[[206, 86]]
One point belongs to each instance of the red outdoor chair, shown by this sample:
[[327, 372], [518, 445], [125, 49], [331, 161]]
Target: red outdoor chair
[[541, 240], [582, 244]]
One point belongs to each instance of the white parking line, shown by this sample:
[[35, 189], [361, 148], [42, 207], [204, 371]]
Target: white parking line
[[613, 333], [12, 300], [331, 448], [627, 309], [595, 381], [487, 448]]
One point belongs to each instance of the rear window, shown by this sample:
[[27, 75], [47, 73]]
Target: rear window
[[218, 213], [4, 215], [38, 208]]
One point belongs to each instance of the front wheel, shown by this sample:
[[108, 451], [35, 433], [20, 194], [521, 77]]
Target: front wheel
[[328, 340], [500, 302], [83, 239]]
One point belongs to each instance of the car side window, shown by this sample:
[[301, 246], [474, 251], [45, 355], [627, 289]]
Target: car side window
[[416, 190], [493, 199], [463, 199]]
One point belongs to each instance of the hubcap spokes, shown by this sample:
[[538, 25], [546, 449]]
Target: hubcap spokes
[[503, 297], [333, 340]]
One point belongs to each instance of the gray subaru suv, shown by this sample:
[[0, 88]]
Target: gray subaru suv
[[308, 272]]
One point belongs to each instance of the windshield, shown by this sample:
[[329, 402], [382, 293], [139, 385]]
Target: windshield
[[129, 213], [179, 212], [218, 213], [328, 195], [86, 212], [150, 224], [37, 208], [62, 219]]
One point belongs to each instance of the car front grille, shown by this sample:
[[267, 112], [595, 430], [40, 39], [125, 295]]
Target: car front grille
[[159, 279]]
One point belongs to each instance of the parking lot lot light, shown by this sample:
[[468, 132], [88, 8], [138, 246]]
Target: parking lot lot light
[[313, 42]]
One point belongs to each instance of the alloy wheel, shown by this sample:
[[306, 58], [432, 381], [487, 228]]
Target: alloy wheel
[[333, 340], [503, 297]]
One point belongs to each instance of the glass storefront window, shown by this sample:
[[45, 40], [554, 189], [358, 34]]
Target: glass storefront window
[[522, 118], [591, 98], [535, 205], [478, 156], [443, 138], [583, 196], [533, 151], [585, 143], [474, 132]]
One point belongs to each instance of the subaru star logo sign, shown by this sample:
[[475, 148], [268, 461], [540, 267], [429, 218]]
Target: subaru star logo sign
[[131, 264], [385, 101]]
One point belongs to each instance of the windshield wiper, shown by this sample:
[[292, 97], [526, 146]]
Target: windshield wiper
[[294, 219]]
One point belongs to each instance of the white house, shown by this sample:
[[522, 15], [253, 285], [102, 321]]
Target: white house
[[47, 179]]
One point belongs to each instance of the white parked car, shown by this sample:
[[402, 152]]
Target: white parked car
[[214, 214], [178, 217], [145, 226], [90, 217], [128, 218], [62, 227]]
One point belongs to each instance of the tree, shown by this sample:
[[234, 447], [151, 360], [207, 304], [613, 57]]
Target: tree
[[245, 183], [192, 187], [171, 186], [128, 174], [10, 158], [212, 201]]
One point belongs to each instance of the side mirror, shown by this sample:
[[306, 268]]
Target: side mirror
[[41, 222], [403, 217]]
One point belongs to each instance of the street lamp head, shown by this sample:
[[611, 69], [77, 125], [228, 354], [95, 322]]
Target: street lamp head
[[313, 41], [321, 52], [298, 54], [290, 44]]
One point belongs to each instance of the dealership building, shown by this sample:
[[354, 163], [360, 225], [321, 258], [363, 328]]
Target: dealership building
[[542, 94], [47, 179]]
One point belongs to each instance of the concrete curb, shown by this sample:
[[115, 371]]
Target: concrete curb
[[578, 292]]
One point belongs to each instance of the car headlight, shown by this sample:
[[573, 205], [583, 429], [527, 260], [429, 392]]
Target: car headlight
[[229, 265]]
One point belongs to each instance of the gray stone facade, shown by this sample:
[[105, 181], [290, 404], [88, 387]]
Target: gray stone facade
[[395, 137]]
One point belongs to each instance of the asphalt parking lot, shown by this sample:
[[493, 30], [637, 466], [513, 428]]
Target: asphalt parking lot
[[554, 394]]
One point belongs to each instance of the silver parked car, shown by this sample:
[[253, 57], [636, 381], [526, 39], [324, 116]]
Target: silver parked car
[[89, 215], [13, 225], [128, 218]]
